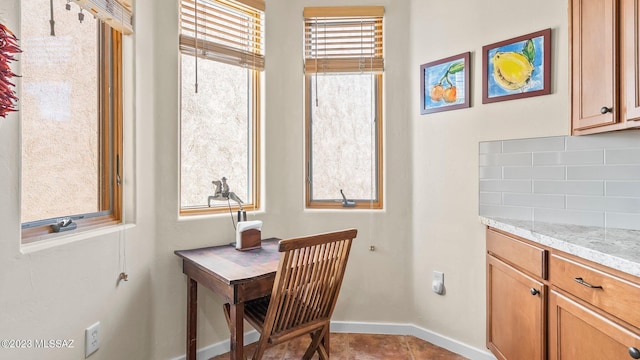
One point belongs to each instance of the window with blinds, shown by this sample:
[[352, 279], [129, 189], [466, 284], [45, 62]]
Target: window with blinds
[[343, 39], [343, 51], [231, 32], [221, 69]]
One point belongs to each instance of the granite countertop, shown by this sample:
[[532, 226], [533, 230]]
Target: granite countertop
[[616, 248]]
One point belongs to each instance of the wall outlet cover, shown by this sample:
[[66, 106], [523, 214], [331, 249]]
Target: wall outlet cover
[[91, 339]]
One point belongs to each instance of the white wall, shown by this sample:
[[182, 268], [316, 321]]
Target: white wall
[[376, 287], [56, 293], [429, 223], [447, 234]]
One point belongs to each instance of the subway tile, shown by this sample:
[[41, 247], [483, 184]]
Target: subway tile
[[505, 159], [519, 186], [604, 203], [487, 147], [507, 212], [535, 200], [623, 188], [576, 217], [586, 157], [622, 156], [568, 187], [623, 221], [618, 139], [536, 172], [490, 172], [534, 144], [491, 198], [603, 172]]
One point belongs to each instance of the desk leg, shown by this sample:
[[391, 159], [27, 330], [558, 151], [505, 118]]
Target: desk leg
[[192, 318], [236, 312]]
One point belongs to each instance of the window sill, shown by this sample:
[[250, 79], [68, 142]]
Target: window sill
[[63, 239]]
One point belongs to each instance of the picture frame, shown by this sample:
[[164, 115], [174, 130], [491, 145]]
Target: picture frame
[[444, 84], [517, 68]]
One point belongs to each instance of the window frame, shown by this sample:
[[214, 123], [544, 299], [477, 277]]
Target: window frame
[[254, 156], [110, 140], [378, 202]]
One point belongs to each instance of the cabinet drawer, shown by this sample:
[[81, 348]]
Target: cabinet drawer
[[610, 293], [526, 257]]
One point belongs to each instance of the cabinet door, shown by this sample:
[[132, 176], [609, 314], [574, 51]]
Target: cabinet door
[[515, 313], [630, 51], [576, 332], [594, 63]]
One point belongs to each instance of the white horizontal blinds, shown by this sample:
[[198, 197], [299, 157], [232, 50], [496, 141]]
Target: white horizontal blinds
[[343, 39], [227, 31], [116, 13]]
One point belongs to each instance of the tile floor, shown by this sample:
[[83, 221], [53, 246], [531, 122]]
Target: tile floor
[[361, 347]]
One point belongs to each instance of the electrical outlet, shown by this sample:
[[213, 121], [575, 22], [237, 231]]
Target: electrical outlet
[[438, 283], [91, 339]]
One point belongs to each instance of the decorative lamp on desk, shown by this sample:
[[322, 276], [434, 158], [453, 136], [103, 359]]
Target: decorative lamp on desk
[[248, 233]]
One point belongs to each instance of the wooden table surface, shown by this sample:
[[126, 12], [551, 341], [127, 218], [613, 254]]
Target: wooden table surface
[[237, 276]]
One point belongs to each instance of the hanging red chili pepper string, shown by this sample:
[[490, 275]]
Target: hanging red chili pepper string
[[8, 47]]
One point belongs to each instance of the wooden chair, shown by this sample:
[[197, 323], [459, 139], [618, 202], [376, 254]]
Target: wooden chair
[[304, 292]]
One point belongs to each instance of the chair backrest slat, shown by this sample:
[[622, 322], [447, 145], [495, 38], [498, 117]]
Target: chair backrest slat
[[308, 280]]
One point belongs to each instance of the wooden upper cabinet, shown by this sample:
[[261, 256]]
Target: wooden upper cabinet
[[604, 65], [630, 51]]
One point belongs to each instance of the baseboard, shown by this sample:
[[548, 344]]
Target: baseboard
[[450, 344]]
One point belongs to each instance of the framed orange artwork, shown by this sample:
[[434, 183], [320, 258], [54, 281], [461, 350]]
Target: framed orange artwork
[[444, 84]]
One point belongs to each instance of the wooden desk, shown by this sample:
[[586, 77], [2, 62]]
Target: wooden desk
[[237, 276]]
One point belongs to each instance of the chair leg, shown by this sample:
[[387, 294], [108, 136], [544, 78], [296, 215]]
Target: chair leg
[[316, 344], [258, 353], [227, 314]]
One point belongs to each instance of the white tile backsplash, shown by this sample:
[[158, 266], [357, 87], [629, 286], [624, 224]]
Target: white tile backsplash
[[586, 157], [568, 187], [520, 186], [535, 200], [535, 172], [518, 159], [532, 145], [583, 180], [603, 172], [623, 188], [622, 156]]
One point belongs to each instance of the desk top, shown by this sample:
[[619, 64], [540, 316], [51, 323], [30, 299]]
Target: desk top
[[233, 266]]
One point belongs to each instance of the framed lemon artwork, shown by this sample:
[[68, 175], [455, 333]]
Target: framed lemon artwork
[[444, 84], [517, 68]]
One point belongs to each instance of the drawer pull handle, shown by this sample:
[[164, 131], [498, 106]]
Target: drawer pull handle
[[634, 352], [534, 291], [582, 282]]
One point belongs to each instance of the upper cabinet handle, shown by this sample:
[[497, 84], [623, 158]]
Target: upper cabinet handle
[[604, 110], [634, 353], [582, 282]]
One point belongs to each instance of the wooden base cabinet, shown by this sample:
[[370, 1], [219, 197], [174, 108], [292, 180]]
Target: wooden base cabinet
[[516, 311], [576, 332], [516, 298], [545, 304]]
